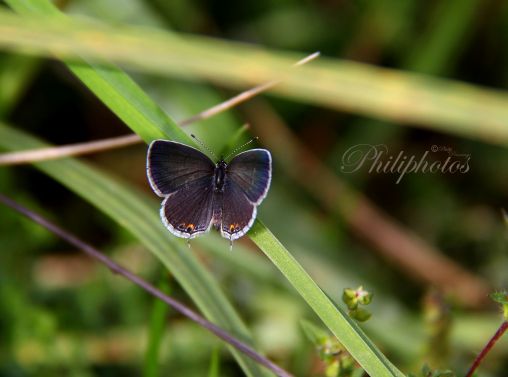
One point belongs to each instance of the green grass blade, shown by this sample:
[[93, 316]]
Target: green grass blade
[[444, 105], [15, 72], [214, 369], [339, 323], [158, 320], [437, 48], [131, 209]]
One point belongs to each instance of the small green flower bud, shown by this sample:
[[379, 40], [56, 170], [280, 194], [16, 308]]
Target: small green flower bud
[[349, 298], [360, 314], [353, 297]]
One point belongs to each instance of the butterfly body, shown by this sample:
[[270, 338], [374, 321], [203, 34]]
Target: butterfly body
[[219, 175], [199, 193]]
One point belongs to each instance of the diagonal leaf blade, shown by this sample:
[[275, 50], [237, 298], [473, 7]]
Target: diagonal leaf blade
[[339, 323]]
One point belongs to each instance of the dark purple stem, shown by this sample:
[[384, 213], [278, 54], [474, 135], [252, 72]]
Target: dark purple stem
[[499, 333], [114, 267]]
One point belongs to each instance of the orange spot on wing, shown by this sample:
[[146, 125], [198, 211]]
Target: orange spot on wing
[[234, 228]]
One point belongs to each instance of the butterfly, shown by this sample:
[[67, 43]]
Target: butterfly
[[199, 193]]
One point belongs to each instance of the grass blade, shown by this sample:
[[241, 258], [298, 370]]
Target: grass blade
[[214, 368], [444, 105], [339, 323], [158, 320]]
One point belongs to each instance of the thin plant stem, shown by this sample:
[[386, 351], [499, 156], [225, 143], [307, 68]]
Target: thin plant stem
[[242, 97], [490, 344], [117, 269], [24, 157], [52, 153]]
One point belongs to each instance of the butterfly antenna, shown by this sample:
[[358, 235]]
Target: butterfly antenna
[[203, 145], [241, 146]]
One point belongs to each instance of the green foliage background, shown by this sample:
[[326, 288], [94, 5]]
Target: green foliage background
[[63, 315]]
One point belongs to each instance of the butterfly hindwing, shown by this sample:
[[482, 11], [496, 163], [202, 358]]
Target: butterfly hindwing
[[252, 172], [170, 165], [188, 211], [248, 177], [184, 177], [238, 212]]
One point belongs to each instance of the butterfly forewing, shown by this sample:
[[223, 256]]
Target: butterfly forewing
[[171, 165], [252, 172]]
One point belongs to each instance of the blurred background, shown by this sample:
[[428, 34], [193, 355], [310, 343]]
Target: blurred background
[[430, 248]]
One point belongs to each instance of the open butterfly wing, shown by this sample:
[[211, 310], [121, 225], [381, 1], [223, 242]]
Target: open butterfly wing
[[171, 165], [252, 172], [184, 177], [238, 212], [247, 182], [188, 211]]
